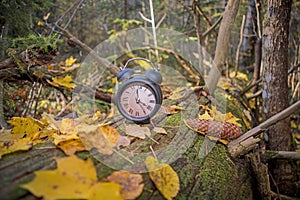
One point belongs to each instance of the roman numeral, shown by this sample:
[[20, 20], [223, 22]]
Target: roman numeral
[[137, 113], [149, 108], [130, 111], [151, 101]]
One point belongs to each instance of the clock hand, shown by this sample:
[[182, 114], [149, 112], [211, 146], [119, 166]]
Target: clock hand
[[142, 108], [137, 99]]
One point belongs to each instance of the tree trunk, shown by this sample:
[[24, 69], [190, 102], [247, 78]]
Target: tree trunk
[[275, 89], [214, 177]]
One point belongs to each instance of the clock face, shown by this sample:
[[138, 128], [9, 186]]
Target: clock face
[[138, 100]]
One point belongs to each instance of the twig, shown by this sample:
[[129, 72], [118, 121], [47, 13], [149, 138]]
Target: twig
[[258, 18], [181, 61], [248, 87], [152, 21], [205, 18], [112, 68], [160, 21], [212, 28], [237, 55], [153, 152], [37, 99], [117, 152], [291, 155], [257, 94]]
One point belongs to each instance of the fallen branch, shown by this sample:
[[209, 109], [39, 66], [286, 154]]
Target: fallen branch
[[112, 68], [239, 146], [291, 155]]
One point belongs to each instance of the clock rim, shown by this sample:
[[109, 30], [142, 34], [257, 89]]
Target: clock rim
[[156, 91]]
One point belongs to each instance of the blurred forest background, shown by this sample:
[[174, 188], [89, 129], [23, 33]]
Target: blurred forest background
[[36, 24], [43, 43]]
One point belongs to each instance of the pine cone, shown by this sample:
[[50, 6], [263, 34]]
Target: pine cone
[[222, 130]]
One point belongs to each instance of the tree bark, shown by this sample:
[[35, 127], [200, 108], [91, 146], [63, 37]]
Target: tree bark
[[275, 89]]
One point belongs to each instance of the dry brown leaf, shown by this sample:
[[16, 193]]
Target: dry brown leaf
[[160, 130], [136, 130], [132, 183], [171, 109]]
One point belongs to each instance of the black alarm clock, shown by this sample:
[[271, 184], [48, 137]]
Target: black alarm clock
[[139, 96]]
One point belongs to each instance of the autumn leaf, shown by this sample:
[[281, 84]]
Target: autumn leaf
[[69, 147], [45, 17], [40, 23], [68, 181], [68, 131], [132, 183], [110, 133], [105, 191], [92, 137], [164, 177], [21, 144], [123, 141], [66, 82], [70, 61], [160, 130], [136, 130], [215, 114], [205, 116], [25, 126], [172, 109]]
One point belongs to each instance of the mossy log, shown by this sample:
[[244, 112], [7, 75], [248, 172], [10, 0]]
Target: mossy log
[[204, 172], [215, 176]]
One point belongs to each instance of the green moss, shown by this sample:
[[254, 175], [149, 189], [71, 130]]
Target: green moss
[[174, 120]]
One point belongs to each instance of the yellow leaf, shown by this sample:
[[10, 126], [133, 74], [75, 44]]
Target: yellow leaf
[[217, 115], [40, 23], [240, 76], [70, 61], [132, 183], [25, 126], [11, 146], [164, 177], [68, 181], [205, 116], [68, 131], [70, 147], [64, 82], [92, 137], [67, 126], [110, 133], [106, 191], [230, 118]]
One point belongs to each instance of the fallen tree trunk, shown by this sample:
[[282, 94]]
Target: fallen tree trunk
[[203, 174], [216, 176]]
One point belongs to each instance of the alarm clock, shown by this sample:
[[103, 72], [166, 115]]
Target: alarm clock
[[139, 96]]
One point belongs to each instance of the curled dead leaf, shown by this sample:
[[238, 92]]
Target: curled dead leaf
[[132, 183]]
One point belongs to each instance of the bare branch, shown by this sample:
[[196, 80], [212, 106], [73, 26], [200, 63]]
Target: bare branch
[[236, 147]]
